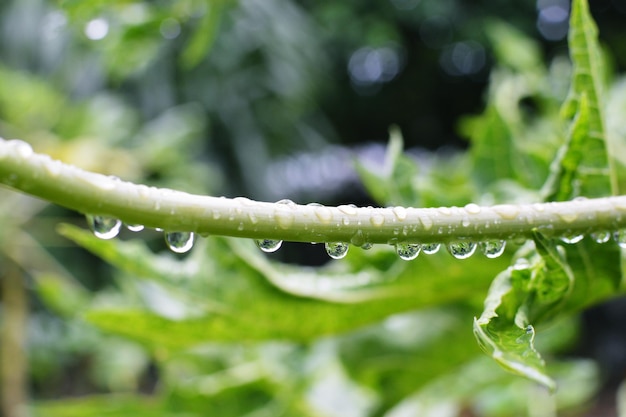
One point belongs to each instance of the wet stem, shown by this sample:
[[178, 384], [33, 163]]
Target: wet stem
[[176, 211]]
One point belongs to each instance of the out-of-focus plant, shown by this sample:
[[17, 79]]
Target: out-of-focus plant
[[231, 332]]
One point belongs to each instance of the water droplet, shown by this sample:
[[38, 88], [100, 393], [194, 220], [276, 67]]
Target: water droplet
[[179, 242], [601, 236], [445, 211], [284, 214], [367, 246], [506, 211], [104, 227], [620, 238], [568, 217], [268, 245], [466, 222], [572, 238], [253, 218], [21, 148], [408, 251], [135, 227], [349, 209], [336, 250], [431, 248], [426, 221], [400, 213], [323, 213], [462, 249], [493, 248], [472, 208], [346, 221], [377, 219], [53, 167]]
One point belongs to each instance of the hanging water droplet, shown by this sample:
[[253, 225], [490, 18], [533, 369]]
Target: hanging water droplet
[[336, 250], [269, 245], [135, 227], [104, 227], [462, 249], [408, 251], [493, 248], [572, 238], [620, 238], [602, 236], [179, 242], [367, 246], [430, 248]]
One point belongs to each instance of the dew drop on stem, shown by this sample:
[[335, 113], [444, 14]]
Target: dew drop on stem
[[572, 238], [431, 248], [461, 249], [179, 242], [104, 227], [602, 236], [492, 248], [336, 250], [134, 227], [408, 251], [620, 238], [268, 245]]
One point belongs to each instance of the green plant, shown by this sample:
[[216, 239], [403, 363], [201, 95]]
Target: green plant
[[566, 258]]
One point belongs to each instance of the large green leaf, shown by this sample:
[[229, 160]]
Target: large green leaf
[[547, 281], [231, 297], [583, 166]]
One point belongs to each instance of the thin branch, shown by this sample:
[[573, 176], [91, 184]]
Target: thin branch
[[96, 194]]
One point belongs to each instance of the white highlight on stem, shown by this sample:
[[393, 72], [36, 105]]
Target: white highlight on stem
[[95, 194]]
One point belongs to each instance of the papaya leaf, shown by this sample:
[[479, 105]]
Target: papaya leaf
[[394, 183], [202, 40], [236, 299], [547, 281], [583, 166], [509, 343]]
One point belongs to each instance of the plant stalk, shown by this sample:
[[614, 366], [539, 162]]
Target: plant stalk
[[171, 210]]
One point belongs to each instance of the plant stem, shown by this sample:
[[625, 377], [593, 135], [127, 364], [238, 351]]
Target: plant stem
[[91, 193]]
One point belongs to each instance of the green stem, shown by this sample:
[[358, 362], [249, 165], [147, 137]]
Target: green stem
[[91, 193]]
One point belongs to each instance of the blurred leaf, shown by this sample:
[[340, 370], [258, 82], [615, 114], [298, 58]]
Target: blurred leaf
[[200, 43], [59, 294], [512, 48], [393, 184], [101, 405], [235, 302]]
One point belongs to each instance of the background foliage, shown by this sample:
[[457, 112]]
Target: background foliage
[[260, 98]]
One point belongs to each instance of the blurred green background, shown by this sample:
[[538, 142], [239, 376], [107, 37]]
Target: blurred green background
[[275, 99]]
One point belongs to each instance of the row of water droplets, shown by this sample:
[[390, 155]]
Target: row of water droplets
[[109, 227], [181, 242]]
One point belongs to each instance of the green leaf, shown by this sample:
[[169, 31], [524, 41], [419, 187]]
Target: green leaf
[[509, 342], [206, 32], [547, 281], [101, 405], [234, 297], [395, 184], [583, 166]]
